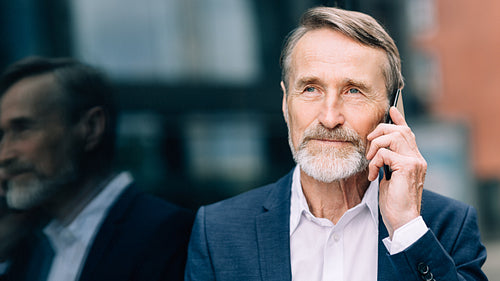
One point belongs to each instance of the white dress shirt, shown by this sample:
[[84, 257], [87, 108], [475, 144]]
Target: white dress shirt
[[348, 250], [72, 242]]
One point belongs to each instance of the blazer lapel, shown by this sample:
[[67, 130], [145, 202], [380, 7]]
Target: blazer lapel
[[273, 232], [105, 234]]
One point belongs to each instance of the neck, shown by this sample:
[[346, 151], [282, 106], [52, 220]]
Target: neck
[[332, 200], [75, 196]]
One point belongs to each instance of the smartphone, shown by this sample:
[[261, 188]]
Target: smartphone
[[397, 101]]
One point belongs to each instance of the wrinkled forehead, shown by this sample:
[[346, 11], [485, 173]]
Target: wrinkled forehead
[[337, 51]]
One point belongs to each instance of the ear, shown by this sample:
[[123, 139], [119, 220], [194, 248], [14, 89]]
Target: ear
[[93, 124], [284, 105]]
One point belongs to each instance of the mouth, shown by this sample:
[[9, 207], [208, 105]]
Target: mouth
[[331, 141], [9, 176]]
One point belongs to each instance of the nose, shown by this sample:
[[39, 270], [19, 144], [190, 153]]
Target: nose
[[7, 152], [331, 114]]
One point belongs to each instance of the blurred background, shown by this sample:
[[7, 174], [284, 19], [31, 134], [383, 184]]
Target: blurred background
[[197, 83]]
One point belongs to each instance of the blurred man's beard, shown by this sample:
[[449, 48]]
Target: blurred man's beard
[[326, 163], [26, 193]]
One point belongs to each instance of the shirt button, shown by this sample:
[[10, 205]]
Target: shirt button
[[336, 237]]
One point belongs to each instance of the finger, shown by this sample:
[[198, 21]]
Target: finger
[[383, 156], [385, 141], [396, 116], [380, 130], [384, 128], [398, 133], [397, 162], [396, 141]]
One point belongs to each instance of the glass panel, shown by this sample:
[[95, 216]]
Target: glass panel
[[228, 147], [212, 41]]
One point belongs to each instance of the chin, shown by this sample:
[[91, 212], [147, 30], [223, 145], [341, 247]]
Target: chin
[[27, 193], [330, 168]]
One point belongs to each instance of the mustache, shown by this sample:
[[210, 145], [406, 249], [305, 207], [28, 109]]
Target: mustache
[[337, 134], [13, 168]]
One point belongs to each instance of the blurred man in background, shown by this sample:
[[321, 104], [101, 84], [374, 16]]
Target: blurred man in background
[[333, 217], [58, 132]]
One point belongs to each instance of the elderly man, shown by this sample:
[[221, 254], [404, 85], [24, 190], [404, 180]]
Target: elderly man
[[58, 131], [332, 217]]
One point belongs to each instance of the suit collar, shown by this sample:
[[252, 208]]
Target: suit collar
[[106, 231], [85, 224], [273, 232], [279, 194]]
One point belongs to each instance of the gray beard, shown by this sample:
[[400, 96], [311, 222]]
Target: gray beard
[[28, 193], [329, 164]]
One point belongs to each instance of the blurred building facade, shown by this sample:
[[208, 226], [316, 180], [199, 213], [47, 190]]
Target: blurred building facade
[[466, 48], [458, 43]]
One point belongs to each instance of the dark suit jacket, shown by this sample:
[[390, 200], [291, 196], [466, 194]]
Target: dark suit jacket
[[142, 238], [247, 238]]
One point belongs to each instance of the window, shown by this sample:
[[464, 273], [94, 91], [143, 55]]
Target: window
[[175, 41]]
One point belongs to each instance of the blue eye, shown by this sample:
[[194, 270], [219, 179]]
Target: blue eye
[[353, 91], [310, 89]]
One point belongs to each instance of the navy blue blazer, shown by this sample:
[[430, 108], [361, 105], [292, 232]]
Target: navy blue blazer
[[247, 237], [141, 238]]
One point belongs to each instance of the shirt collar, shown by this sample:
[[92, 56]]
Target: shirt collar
[[82, 228], [299, 207]]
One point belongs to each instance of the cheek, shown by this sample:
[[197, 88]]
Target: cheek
[[47, 162], [299, 119], [364, 122], [50, 155]]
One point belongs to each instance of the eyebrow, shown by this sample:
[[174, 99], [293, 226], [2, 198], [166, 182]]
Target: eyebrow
[[346, 82], [306, 81], [358, 84], [21, 122]]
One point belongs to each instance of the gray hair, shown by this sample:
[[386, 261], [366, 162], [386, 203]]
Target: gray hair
[[357, 26]]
